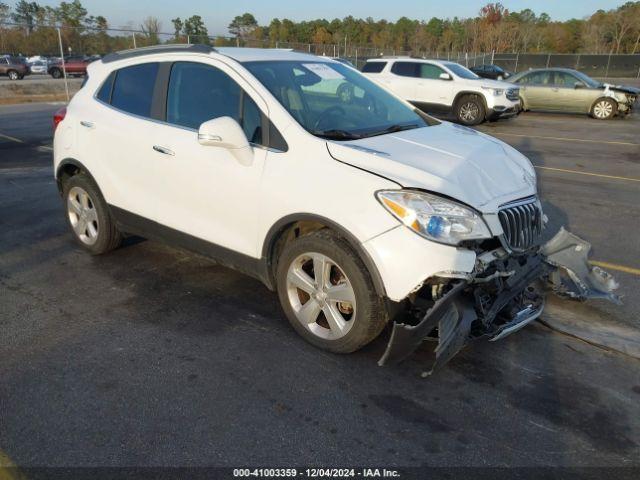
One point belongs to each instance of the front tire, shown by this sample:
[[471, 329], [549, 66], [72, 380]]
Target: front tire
[[470, 110], [604, 109], [56, 73], [327, 294], [88, 216]]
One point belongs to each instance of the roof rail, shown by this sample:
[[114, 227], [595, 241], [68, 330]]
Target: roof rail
[[171, 48]]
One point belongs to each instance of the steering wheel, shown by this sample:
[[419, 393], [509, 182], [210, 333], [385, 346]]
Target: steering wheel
[[326, 113]]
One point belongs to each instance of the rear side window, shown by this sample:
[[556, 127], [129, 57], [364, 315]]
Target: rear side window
[[406, 69], [373, 67], [133, 89], [104, 94]]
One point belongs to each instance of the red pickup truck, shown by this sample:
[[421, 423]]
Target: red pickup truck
[[74, 66]]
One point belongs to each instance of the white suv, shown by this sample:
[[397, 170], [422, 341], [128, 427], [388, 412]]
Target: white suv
[[359, 210], [445, 87]]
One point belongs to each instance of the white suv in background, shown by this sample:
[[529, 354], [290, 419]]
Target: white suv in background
[[445, 87], [359, 210]]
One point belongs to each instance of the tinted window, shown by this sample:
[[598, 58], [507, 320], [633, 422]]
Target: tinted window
[[133, 88], [462, 72], [405, 69], [373, 67], [430, 71], [199, 92], [104, 94]]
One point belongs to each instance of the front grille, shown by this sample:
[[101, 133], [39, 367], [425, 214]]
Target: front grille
[[513, 94], [522, 223]]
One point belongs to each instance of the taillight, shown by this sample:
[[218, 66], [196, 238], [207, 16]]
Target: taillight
[[58, 117]]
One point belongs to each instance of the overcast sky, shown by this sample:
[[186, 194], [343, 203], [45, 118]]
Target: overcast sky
[[218, 14]]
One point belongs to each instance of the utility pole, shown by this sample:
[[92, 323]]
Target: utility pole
[[64, 68]]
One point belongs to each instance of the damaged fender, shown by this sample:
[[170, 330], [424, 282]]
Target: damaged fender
[[477, 307]]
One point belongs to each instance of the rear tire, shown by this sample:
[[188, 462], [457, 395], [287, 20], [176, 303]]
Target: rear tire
[[604, 109], [470, 110], [13, 75], [308, 298], [88, 216]]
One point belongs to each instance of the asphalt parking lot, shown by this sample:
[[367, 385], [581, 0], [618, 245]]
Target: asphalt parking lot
[[151, 356]]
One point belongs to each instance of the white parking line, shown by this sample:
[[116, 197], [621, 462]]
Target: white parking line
[[577, 172], [564, 139], [13, 139]]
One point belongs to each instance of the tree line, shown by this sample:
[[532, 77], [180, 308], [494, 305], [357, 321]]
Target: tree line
[[494, 28]]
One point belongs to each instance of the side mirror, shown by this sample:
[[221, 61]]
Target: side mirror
[[578, 85], [225, 132], [445, 76]]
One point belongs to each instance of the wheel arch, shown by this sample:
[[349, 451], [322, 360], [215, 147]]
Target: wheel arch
[[68, 168], [294, 225], [462, 93]]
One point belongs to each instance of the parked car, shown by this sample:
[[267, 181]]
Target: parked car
[[13, 67], [74, 66], [358, 214], [491, 71], [445, 87], [39, 67], [567, 90]]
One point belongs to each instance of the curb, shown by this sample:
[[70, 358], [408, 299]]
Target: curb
[[600, 330]]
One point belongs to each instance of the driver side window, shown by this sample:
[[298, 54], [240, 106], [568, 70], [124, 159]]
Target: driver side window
[[198, 92], [430, 71]]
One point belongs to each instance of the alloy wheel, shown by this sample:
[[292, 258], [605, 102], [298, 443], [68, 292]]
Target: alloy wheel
[[603, 109], [321, 296], [83, 215], [469, 112], [13, 75]]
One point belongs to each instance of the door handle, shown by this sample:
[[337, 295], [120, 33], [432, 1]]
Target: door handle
[[87, 124], [163, 150]]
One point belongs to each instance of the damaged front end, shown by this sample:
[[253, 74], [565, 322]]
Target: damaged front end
[[506, 292]]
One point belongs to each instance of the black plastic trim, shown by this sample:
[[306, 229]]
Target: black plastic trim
[[137, 225]]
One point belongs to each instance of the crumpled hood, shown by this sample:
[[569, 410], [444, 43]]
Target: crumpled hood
[[622, 88], [448, 159]]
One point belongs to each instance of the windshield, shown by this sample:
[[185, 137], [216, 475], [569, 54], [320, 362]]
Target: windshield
[[461, 71], [587, 79], [331, 100]]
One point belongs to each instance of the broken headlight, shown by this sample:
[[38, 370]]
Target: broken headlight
[[433, 217]]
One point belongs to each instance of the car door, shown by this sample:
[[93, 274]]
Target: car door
[[535, 88], [403, 79], [4, 66], [115, 129], [205, 191], [573, 93], [432, 87]]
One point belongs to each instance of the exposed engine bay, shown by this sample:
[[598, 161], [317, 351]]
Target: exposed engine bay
[[506, 292]]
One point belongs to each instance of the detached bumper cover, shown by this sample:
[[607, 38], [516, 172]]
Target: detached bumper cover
[[497, 306]]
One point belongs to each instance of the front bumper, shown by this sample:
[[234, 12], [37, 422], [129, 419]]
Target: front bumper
[[503, 298]]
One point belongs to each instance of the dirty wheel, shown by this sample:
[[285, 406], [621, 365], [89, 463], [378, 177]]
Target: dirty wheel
[[604, 109], [88, 216], [470, 110], [327, 294]]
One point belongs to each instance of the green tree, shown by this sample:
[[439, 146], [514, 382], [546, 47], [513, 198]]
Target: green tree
[[242, 25], [25, 13], [178, 25], [194, 27]]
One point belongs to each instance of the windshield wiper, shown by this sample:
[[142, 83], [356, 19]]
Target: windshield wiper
[[336, 134], [393, 129]]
